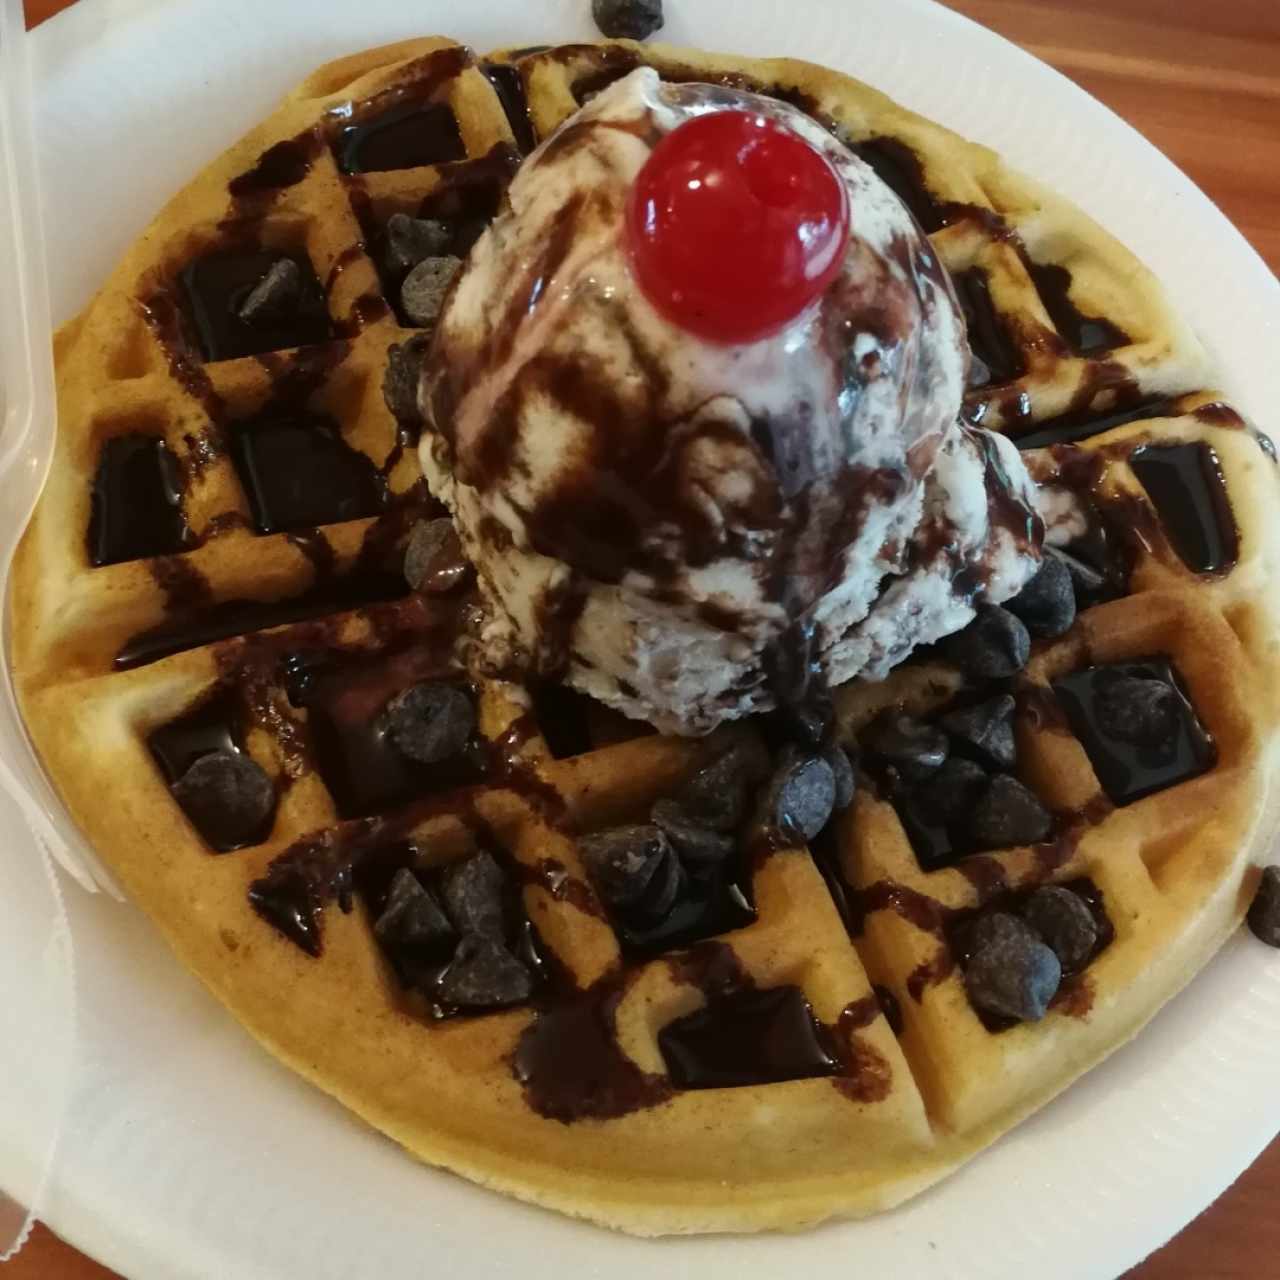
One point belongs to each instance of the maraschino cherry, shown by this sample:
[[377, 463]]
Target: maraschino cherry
[[735, 225]]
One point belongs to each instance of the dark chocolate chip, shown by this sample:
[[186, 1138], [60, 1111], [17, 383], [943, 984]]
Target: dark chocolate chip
[[275, 296], [1014, 977], [411, 919], [1137, 710], [430, 722], [423, 292], [484, 975], [228, 797], [984, 731], [1008, 814], [951, 793], [1140, 733], [694, 842], [801, 796], [627, 19], [1264, 914], [413, 240], [1086, 581], [622, 861], [717, 795], [842, 772], [660, 896], [1047, 604], [993, 646], [474, 893], [1065, 924], [400, 381], [915, 749], [433, 561], [990, 928]]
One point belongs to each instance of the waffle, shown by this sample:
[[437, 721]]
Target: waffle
[[248, 618]]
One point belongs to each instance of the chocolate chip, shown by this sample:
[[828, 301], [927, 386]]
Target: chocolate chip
[[1137, 710], [1008, 814], [474, 895], [1086, 581], [627, 19], [411, 919], [400, 381], [484, 975], [717, 795], [413, 240], [1065, 923], [990, 928], [915, 749], [1047, 604], [660, 896], [801, 796], [430, 722], [275, 296], [694, 842], [622, 861], [1015, 977], [423, 292], [842, 773], [433, 561], [993, 646], [1264, 914], [950, 794], [984, 731], [228, 797]]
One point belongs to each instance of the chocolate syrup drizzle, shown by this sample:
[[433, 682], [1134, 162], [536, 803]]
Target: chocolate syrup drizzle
[[279, 167], [572, 1067], [508, 84]]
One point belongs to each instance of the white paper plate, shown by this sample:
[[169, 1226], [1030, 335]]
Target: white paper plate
[[188, 1152]]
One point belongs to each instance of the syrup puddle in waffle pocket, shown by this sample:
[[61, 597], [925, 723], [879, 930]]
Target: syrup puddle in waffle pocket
[[660, 635]]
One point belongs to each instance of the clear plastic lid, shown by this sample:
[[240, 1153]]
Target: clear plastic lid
[[27, 423], [37, 1007]]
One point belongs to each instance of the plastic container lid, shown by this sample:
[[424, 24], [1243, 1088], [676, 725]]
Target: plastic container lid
[[37, 1011], [27, 425]]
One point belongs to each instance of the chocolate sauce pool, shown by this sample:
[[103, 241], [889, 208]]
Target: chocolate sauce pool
[[137, 502], [1185, 483]]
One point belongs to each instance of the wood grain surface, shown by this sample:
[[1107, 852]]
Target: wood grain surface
[[1201, 81]]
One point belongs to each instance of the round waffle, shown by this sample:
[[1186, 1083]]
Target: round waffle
[[253, 604]]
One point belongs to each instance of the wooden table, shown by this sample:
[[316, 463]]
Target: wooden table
[[1202, 81]]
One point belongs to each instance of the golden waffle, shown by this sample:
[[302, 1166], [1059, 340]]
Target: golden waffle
[[220, 636]]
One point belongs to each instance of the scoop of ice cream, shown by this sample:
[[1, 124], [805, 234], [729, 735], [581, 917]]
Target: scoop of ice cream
[[652, 514]]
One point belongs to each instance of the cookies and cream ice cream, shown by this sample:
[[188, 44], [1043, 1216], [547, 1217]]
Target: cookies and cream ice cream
[[652, 514]]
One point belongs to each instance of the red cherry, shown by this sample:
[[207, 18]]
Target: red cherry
[[735, 225]]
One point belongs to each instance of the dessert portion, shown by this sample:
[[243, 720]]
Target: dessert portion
[[672, 452], [804, 964]]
